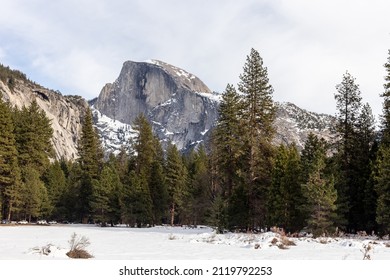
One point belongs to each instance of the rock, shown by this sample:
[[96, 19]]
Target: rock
[[65, 113], [180, 107]]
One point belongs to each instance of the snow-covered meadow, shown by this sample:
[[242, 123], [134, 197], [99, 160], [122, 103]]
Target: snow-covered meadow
[[23, 242]]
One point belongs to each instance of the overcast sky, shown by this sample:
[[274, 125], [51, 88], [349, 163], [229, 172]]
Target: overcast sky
[[77, 46]]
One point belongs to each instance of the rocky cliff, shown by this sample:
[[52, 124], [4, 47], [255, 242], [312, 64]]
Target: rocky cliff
[[65, 112], [180, 107], [293, 125]]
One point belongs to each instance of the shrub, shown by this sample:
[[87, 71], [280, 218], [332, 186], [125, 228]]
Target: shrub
[[78, 247], [287, 242], [366, 250]]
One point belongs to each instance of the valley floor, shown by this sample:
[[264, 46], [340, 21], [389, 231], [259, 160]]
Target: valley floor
[[22, 242]]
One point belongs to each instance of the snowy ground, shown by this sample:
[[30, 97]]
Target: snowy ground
[[21, 242]]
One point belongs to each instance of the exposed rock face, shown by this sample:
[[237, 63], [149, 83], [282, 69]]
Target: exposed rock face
[[65, 113], [180, 107], [294, 124]]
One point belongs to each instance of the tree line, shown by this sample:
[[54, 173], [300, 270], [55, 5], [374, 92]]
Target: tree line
[[242, 181]]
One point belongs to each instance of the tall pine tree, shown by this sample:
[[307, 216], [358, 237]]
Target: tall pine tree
[[258, 116], [91, 163], [348, 103]]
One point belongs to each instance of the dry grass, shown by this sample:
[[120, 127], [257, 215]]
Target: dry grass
[[78, 247], [282, 243], [287, 242], [366, 250]]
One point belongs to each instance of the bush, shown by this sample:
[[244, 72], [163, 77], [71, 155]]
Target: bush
[[78, 247]]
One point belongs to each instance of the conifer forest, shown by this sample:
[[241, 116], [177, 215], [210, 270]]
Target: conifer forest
[[239, 180]]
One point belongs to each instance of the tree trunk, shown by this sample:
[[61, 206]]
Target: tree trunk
[[172, 214]]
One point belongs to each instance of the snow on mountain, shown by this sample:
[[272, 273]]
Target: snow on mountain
[[113, 134], [292, 125]]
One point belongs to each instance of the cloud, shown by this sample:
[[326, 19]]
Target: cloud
[[78, 46]]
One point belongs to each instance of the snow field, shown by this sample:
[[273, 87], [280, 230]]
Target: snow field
[[31, 242]]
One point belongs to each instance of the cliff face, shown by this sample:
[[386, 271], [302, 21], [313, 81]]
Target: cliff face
[[180, 107], [293, 125], [65, 113]]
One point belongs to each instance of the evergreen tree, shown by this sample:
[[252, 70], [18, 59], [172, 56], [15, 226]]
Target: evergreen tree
[[100, 197], [159, 193], [385, 120], [285, 197], [227, 142], [91, 162], [318, 190], [33, 134], [364, 198], [382, 166], [348, 105], [176, 181], [321, 197], [10, 177], [258, 116], [35, 199], [117, 193], [55, 182], [137, 208], [382, 188], [89, 148], [148, 165], [199, 189]]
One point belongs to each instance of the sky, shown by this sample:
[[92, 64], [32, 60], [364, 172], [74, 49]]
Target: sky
[[77, 46]]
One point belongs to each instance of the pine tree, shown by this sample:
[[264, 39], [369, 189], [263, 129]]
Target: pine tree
[[361, 164], [176, 180], [35, 199], [318, 190], [199, 189], [382, 166], [258, 116], [227, 142], [148, 168], [348, 105], [10, 177], [117, 193], [90, 162], [385, 118], [33, 134], [285, 197], [89, 148], [144, 145], [101, 194], [321, 197], [382, 188], [55, 182]]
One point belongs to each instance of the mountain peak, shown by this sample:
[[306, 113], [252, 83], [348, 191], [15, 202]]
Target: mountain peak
[[176, 102]]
